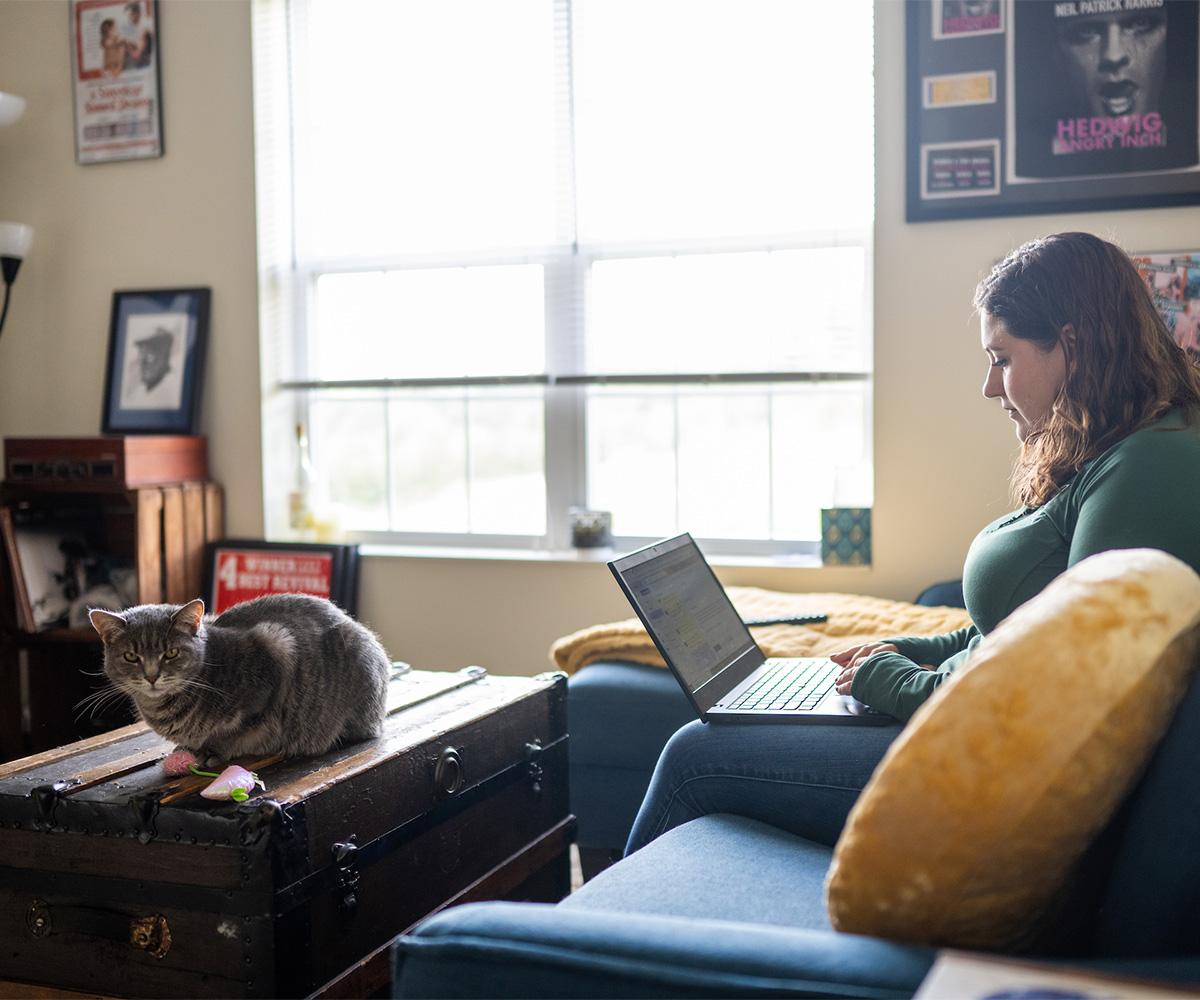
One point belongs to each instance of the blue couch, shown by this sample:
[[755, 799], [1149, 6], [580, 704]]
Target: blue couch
[[621, 716], [724, 906]]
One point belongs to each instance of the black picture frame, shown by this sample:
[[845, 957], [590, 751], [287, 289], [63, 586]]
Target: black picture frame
[[341, 562], [1003, 120], [157, 343]]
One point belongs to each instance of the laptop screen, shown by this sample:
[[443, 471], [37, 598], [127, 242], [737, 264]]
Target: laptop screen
[[679, 598]]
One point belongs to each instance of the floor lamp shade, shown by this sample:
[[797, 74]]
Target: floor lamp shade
[[11, 108], [15, 239]]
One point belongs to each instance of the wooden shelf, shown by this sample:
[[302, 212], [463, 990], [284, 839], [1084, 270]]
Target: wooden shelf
[[160, 531]]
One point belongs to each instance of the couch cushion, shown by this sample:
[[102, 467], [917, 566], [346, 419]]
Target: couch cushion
[[524, 950], [622, 714], [717, 867], [982, 807], [1150, 905]]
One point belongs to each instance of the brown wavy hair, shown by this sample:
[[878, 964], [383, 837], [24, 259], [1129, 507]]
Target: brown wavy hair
[[1123, 369]]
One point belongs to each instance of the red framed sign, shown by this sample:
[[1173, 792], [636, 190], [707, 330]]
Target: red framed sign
[[239, 571]]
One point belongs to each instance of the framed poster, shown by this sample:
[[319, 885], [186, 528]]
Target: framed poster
[[116, 76], [1019, 108], [238, 570]]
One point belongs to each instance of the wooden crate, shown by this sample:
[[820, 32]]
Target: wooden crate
[[161, 530], [115, 878]]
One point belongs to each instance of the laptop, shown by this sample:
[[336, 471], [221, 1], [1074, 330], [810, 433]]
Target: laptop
[[711, 652]]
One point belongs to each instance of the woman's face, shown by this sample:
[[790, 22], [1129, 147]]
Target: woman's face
[[1021, 375], [1117, 61]]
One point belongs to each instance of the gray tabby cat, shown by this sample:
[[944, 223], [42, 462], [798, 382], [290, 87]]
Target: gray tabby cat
[[285, 674]]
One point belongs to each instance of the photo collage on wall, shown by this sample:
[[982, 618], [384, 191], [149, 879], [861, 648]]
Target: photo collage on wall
[[1058, 105], [1174, 281]]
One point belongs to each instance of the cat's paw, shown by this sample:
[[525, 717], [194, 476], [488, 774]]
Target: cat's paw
[[212, 761]]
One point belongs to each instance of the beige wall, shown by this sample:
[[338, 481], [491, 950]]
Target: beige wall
[[184, 219], [942, 453]]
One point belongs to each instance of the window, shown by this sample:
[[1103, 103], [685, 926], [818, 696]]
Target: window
[[522, 255]]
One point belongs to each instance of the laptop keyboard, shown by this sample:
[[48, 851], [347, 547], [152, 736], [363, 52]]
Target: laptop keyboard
[[789, 685]]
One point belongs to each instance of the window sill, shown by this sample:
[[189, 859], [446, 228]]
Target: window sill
[[574, 556]]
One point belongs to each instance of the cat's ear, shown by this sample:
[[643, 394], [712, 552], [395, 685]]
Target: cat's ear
[[109, 625], [188, 617]]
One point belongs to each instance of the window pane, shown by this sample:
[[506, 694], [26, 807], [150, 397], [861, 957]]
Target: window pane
[[429, 323], [793, 310], [722, 117], [631, 459], [724, 463], [349, 455], [424, 127], [820, 454], [429, 461], [753, 462], [507, 449]]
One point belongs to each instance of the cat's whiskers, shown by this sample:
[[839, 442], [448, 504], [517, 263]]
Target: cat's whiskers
[[97, 700], [200, 685], [192, 681]]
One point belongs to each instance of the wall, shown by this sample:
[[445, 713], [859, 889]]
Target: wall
[[942, 452], [184, 219]]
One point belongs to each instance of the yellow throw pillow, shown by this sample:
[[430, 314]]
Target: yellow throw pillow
[[974, 818]]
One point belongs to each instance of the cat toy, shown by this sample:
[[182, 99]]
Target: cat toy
[[234, 782]]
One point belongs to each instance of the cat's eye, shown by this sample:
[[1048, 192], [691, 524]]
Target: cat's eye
[[170, 654], [131, 657]]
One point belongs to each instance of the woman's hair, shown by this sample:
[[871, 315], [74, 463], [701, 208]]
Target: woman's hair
[[1123, 369]]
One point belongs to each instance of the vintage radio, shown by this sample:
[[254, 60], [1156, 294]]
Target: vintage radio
[[105, 463]]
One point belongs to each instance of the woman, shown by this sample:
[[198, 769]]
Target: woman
[[1107, 409]]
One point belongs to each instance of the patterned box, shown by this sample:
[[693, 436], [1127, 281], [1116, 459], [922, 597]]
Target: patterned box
[[846, 536]]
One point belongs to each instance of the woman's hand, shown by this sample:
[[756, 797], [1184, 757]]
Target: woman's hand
[[851, 659]]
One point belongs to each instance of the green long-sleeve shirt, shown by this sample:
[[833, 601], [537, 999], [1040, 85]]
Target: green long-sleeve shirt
[[1141, 493]]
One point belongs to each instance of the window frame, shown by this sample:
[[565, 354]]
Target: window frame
[[566, 266]]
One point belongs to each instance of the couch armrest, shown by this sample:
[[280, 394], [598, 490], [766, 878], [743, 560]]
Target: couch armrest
[[534, 950]]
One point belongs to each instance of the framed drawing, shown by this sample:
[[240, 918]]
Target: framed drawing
[[1021, 108], [115, 69], [237, 570], [155, 371]]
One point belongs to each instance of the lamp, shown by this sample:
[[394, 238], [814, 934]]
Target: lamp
[[11, 108], [15, 240]]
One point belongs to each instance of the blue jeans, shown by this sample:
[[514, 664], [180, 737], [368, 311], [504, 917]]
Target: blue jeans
[[800, 778]]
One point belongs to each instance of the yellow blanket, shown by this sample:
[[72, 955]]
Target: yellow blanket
[[853, 619]]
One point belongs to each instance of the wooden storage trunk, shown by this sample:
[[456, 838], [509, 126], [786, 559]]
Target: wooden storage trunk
[[116, 879]]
